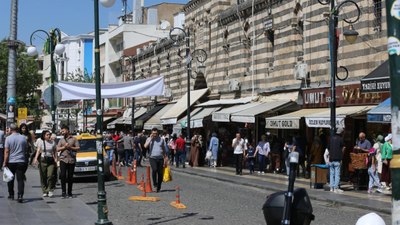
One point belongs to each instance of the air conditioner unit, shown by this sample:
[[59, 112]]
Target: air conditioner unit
[[234, 85], [300, 71]]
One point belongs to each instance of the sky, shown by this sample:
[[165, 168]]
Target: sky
[[72, 17]]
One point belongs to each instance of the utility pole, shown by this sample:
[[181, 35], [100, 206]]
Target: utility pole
[[393, 31], [12, 66]]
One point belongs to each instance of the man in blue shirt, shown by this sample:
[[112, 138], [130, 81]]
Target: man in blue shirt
[[362, 144]]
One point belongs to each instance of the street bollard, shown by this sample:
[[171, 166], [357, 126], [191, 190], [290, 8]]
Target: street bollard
[[148, 182], [177, 203]]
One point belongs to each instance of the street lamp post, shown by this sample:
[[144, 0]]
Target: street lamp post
[[54, 36], [201, 56], [350, 36], [102, 209]]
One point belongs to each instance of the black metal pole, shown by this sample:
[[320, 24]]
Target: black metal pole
[[393, 32], [189, 74], [102, 209], [333, 20], [293, 159], [52, 79]]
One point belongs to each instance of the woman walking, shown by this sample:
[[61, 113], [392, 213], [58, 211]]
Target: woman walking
[[261, 153], [46, 156], [387, 154]]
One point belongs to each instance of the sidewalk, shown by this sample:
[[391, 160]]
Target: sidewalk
[[278, 182], [36, 210]]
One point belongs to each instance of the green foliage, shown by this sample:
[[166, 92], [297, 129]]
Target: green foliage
[[28, 79]]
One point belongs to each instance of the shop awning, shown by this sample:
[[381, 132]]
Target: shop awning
[[197, 119], [290, 120], [381, 113], [155, 120], [227, 101], [249, 115], [224, 115], [378, 80], [171, 116], [323, 119], [126, 119], [182, 123]]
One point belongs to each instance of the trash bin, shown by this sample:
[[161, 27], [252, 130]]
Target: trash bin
[[319, 175]]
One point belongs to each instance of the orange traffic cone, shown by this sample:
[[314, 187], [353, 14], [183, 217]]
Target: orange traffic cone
[[128, 174], [177, 203], [133, 179], [114, 168], [120, 177], [148, 182], [141, 183]]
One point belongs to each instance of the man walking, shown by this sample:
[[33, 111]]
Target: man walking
[[157, 156], [15, 158], [180, 154], [68, 146], [239, 148], [128, 146], [335, 157]]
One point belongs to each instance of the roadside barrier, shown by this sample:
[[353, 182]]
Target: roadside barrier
[[141, 183], [128, 174], [177, 203], [120, 177], [148, 182], [144, 197], [133, 179]]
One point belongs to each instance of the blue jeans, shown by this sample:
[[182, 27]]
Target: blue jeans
[[128, 156], [334, 174], [373, 178], [137, 155], [261, 163], [180, 157], [110, 154]]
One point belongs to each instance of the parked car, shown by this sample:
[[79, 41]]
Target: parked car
[[86, 158]]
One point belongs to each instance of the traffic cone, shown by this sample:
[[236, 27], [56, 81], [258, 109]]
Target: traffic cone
[[143, 197], [148, 182], [120, 177], [133, 179], [128, 174], [141, 183], [177, 203]]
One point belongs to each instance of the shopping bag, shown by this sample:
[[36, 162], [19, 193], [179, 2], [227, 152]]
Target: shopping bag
[[208, 155], [167, 174], [7, 175]]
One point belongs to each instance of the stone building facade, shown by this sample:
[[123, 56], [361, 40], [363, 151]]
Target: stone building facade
[[255, 47]]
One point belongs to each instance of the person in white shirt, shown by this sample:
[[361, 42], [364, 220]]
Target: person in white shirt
[[239, 148]]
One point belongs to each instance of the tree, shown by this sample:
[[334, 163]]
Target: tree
[[28, 79]]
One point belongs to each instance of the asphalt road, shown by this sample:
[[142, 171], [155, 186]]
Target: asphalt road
[[208, 201]]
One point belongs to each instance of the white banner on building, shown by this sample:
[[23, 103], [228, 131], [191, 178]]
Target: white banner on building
[[137, 88]]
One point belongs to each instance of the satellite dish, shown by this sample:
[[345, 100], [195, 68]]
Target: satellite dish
[[164, 25]]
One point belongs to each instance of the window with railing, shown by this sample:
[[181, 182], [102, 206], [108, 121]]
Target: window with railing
[[378, 15]]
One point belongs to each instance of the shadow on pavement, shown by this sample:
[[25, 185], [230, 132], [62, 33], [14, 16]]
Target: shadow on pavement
[[185, 215]]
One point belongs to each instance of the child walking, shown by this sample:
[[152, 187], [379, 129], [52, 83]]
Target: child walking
[[250, 156]]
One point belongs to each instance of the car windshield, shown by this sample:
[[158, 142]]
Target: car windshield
[[87, 145]]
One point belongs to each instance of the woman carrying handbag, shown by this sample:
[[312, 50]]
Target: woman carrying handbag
[[46, 158]]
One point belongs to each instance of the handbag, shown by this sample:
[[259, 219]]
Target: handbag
[[167, 174], [208, 155], [7, 175]]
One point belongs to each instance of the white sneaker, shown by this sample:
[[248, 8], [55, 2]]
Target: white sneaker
[[338, 190], [258, 172], [51, 194], [45, 195], [331, 190]]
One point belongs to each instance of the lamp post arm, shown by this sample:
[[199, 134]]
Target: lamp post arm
[[34, 32], [335, 10]]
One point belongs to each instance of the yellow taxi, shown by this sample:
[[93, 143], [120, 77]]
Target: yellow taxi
[[86, 158]]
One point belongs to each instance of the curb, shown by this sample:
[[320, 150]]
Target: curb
[[312, 197]]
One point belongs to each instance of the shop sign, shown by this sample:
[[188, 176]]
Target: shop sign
[[220, 117], [282, 124], [323, 122], [376, 85], [345, 95], [169, 121], [197, 123]]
